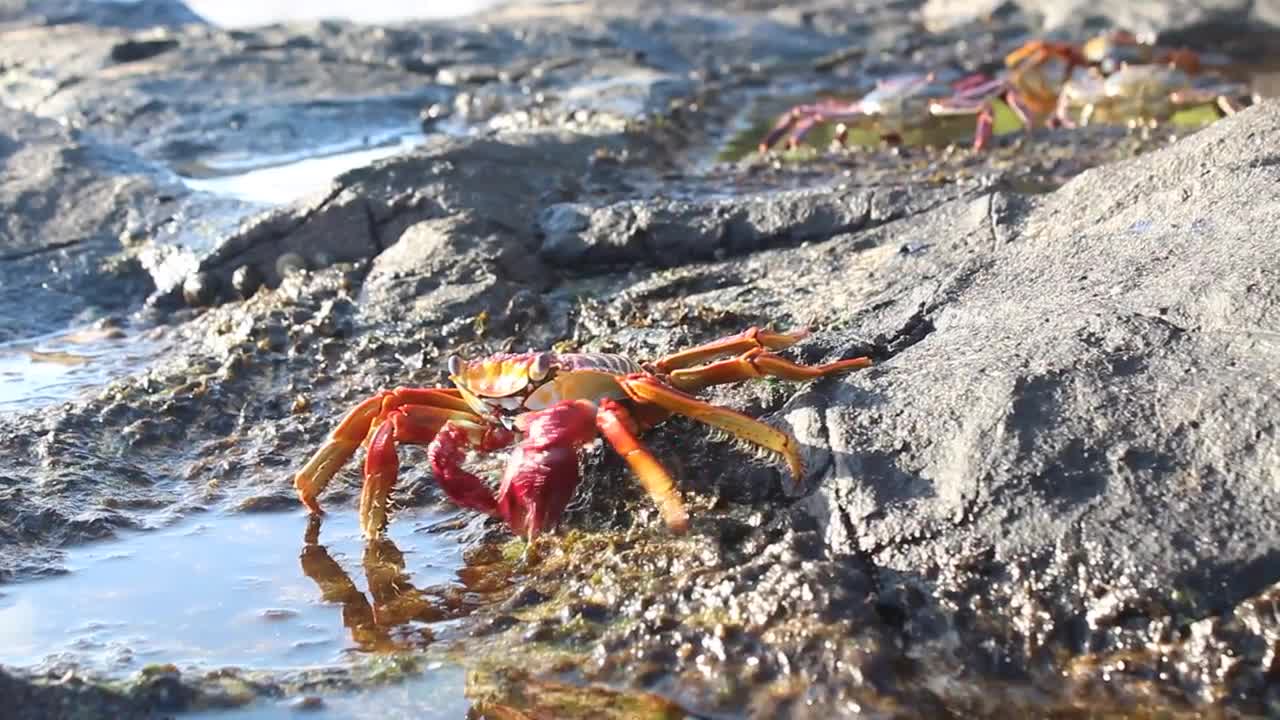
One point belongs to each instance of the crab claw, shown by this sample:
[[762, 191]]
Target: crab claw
[[542, 472]]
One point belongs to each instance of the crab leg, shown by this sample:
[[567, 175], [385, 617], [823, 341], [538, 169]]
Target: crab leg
[[799, 120], [748, 339], [982, 133], [645, 389], [419, 425], [312, 479], [755, 363], [619, 428]]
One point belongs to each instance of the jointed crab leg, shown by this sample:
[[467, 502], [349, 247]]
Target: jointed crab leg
[[311, 480], [800, 120], [644, 389], [758, 363], [973, 96], [450, 434], [748, 339], [619, 428], [429, 409]]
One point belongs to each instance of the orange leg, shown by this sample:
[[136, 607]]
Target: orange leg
[[1185, 60], [645, 389], [758, 363], [620, 429], [419, 425], [1038, 52], [749, 339], [360, 423]]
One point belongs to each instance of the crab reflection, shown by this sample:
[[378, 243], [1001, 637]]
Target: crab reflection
[[394, 614]]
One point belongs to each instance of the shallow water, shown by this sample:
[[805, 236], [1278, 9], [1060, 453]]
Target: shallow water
[[242, 13], [245, 590], [434, 694], [282, 179], [41, 371]]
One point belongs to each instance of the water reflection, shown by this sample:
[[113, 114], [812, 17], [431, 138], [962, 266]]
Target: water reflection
[[390, 616], [225, 589]]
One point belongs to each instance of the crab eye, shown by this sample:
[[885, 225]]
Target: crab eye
[[540, 366], [455, 365]]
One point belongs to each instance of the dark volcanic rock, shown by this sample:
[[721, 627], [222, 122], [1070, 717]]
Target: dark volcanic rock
[[1054, 493], [500, 181], [1070, 443], [138, 15], [668, 233], [1193, 21], [70, 209], [446, 269], [1102, 371]]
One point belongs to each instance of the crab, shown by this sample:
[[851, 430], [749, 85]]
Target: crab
[[1138, 94], [907, 102], [1108, 53], [548, 405]]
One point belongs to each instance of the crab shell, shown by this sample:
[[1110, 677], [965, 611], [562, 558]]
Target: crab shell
[[503, 387]]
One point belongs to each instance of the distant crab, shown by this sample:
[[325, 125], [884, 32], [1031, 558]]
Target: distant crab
[[907, 102], [551, 404], [1138, 94], [1107, 53]]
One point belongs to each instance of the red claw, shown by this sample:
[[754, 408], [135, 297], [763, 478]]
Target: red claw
[[542, 473], [446, 454]]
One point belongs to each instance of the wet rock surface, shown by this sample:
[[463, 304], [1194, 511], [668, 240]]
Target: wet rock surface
[[1247, 24], [76, 210], [1055, 491]]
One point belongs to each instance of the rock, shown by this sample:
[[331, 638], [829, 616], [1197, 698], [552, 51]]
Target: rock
[[200, 289], [673, 232], [1202, 22], [499, 181], [1071, 431], [134, 15], [1116, 382], [142, 49], [246, 281], [1053, 493], [289, 93], [445, 269], [68, 201]]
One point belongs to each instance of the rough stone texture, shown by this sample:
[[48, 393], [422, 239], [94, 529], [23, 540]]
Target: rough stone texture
[[672, 232], [137, 15], [1072, 428], [1054, 494], [198, 96], [501, 181], [72, 207], [1192, 21], [1108, 364]]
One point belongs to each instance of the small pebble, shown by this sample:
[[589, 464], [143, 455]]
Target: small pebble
[[275, 614], [200, 289], [307, 703], [289, 263], [245, 281]]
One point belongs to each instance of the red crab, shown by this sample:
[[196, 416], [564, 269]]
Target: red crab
[[552, 404], [1109, 52], [916, 101]]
